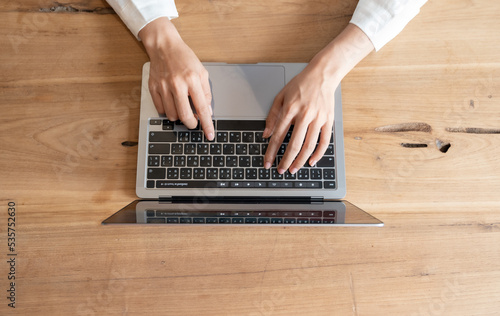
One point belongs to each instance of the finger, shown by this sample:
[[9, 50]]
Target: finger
[[307, 148], [183, 108], [275, 142], [205, 85], [295, 145], [169, 105], [156, 96], [203, 110], [273, 115], [324, 141]]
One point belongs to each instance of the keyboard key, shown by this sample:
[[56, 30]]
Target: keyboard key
[[155, 122], [241, 149], [303, 174], [150, 184], [257, 161], [167, 125], [242, 125], [290, 220], [237, 220], [225, 173], [264, 174], [254, 149], [314, 185], [172, 173], [235, 137], [251, 220], [223, 220], [326, 161], [275, 174], [198, 220], [180, 161], [276, 221], [183, 137], [185, 220], [228, 149], [156, 173], [189, 149], [247, 137], [193, 161], [290, 176], [251, 173], [202, 149], [263, 220], [236, 184], [244, 161], [316, 174], [153, 161], [186, 173], [211, 220], [222, 137], [259, 138], [329, 150], [329, 174], [238, 173], [196, 137], [329, 185], [166, 161], [172, 220], [199, 173], [231, 161], [212, 173], [218, 161], [159, 149], [164, 137], [206, 161], [177, 149], [286, 184], [215, 149]]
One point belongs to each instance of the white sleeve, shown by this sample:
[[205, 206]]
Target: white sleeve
[[137, 13], [382, 20]]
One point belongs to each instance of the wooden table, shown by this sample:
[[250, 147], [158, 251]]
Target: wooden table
[[69, 97]]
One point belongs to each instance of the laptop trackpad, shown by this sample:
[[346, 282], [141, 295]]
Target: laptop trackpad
[[244, 91]]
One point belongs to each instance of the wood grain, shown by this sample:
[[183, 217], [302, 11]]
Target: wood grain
[[69, 97]]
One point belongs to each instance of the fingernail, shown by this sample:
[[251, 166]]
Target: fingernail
[[210, 136], [267, 165], [281, 171], [293, 170], [265, 134], [312, 163]]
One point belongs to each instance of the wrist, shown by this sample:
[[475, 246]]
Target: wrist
[[339, 57], [158, 34]]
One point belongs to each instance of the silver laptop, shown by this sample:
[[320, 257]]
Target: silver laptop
[[182, 178]]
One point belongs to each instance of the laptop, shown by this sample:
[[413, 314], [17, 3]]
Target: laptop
[[184, 179]]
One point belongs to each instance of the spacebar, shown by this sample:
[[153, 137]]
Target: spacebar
[[240, 125], [190, 184]]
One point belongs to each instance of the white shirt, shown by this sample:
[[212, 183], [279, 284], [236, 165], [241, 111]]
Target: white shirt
[[380, 20]]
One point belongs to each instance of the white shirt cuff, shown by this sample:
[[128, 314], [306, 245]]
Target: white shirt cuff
[[137, 13], [382, 20]]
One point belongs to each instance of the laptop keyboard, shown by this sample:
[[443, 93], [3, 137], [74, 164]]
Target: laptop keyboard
[[241, 217], [182, 158]]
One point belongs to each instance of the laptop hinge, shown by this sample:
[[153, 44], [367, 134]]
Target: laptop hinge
[[242, 200]]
